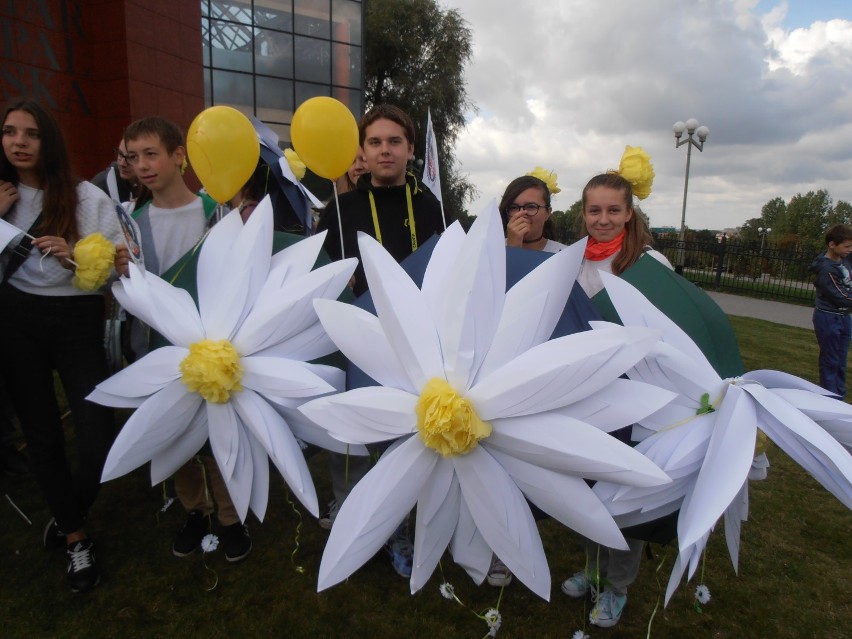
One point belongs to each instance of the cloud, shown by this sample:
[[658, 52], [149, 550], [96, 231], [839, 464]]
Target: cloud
[[567, 85]]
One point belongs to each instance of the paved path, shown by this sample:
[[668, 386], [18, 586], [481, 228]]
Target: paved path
[[778, 312]]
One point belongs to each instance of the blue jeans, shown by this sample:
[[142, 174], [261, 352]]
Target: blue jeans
[[833, 332], [40, 333]]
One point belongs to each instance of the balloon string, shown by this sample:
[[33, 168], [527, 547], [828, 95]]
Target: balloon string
[[298, 567], [339, 219]]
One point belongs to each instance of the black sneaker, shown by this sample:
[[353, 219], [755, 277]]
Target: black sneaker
[[188, 538], [83, 573], [237, 542], [52, 537], [13, 463]]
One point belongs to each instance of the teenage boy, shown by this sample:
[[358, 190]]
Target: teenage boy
[[389, 204], [832, 324], [171, 224], [118, 180], [387, 198]]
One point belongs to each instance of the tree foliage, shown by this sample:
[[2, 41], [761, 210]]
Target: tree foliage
[[803, 220], [415, 55]]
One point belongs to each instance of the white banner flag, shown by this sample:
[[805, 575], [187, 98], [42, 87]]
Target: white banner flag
[[431, 172], [8, 233]]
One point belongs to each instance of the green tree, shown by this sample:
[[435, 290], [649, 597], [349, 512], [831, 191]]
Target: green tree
[[415, 55], [841, 214], [772, 214]]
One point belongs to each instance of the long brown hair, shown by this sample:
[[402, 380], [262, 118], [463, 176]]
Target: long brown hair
[[59, 204], [636, 236]]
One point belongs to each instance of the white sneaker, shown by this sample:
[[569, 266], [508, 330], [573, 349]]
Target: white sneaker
[[577, 585], [498, 574], [608, 609]]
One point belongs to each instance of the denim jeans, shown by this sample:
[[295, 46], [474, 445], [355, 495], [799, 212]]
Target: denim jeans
[[40, 333], [833, 332]]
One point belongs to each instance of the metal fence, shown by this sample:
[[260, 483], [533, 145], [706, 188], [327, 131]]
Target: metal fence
[[760, 269]]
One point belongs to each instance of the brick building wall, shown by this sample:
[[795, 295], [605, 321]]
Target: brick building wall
[[100, 64]]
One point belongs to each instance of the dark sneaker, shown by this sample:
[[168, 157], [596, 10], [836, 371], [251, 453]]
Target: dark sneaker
[[13, 463], [52, 537], [83, 573], [328, 517], [188, 538], [401, 551], [237, 542]]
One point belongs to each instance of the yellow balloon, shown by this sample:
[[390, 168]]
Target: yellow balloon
[[325, 135], [223, 150]]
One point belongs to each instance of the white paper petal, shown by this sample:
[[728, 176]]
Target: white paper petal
[[374, 509], [232, 267], [168, 310], [566, 499], [437, 515], [273, 433], [180, 449], [151, 429], [146, 376], [365, 415], [560, 371], [278, 377], [467, 312], [570, 446], [286, 313], [725, 468], [634, 309], [503, 517], [469, 549], [533, 307], [403, 313], [360, 337]]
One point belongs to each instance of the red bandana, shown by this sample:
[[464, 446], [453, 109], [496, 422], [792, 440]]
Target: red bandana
[[597, 251]]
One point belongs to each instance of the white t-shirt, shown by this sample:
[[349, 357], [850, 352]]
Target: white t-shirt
[[44, 275], [176, 231]]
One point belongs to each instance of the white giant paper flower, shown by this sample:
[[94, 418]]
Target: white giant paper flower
[[236, 369], [484, 412], [705, 439]]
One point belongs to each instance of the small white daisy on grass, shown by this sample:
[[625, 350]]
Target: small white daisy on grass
[[702, 594], [209, 543], [580, 635], [493, 618], [447, 590]]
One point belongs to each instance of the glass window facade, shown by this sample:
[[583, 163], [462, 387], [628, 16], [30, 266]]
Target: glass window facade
[[265, 57]]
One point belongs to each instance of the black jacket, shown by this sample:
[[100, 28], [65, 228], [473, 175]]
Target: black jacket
[[833, 285], [392, 213]]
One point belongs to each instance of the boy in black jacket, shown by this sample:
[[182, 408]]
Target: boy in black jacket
[[389, 204], [832, 324]]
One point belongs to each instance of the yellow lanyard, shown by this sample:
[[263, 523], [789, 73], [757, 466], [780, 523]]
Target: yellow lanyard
[[410, 218]]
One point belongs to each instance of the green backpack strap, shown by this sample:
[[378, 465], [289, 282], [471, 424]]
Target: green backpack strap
[[209, 205]]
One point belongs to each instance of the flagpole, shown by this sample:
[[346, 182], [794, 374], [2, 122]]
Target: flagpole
[[431, 171]]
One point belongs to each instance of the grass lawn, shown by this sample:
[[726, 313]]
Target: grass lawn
[[793, 580]]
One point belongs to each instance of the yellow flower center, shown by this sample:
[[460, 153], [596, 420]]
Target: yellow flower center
[[446, 421], [212, 369]]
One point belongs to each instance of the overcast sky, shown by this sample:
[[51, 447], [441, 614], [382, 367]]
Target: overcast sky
[[566, 84]]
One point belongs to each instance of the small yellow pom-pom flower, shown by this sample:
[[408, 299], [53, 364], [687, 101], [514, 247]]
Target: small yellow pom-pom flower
[[212, 369], [636, 168], [446, 421], [548, 177], [296, 165], [94, 255]]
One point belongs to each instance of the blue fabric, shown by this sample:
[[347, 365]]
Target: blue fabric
[[833, 333]]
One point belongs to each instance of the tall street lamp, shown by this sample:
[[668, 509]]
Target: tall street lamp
[[763, 233], [691, 127]]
